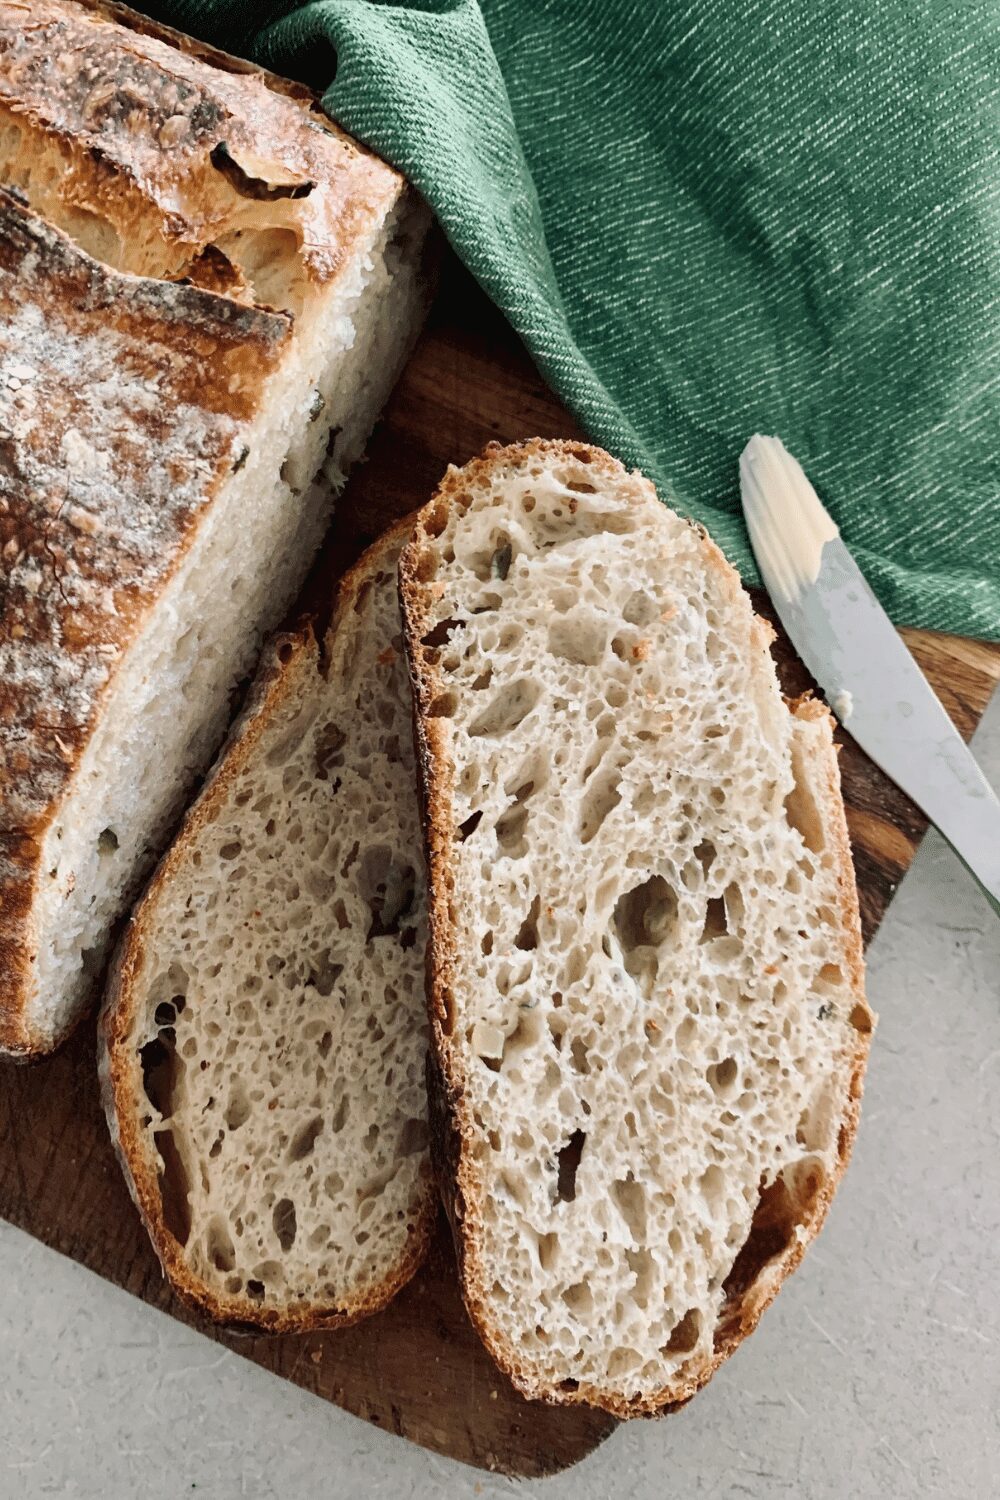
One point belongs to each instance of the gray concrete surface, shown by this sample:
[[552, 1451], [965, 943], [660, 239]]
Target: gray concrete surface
[[877, 1372]]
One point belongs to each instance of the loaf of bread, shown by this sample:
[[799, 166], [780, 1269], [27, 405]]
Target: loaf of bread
[[648, 1020], [263, 1041], [206, 292]]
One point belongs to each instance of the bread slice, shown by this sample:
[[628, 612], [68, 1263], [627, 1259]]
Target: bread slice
[[206, 293], [263, 1041], [648, 1019]]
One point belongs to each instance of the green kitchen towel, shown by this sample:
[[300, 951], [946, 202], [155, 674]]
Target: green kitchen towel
[[707, 218]]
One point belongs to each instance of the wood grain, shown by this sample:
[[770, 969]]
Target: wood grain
[[417, 1368]]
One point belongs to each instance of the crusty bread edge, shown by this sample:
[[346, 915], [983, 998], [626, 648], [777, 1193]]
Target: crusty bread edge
[[449, 1113], [20, 1040], [120, 1078], [227, 62], [263, 335]]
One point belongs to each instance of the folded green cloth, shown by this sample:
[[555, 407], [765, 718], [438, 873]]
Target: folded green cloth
[[708, 218]]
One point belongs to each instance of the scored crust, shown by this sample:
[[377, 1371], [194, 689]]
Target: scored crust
[[122, 412], [768, 1256], [252, 223], [169, 158], [121, 1079]]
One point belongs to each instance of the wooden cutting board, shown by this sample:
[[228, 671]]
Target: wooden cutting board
[[417, 1368]]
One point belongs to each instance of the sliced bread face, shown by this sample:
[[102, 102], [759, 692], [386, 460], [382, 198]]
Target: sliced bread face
[[648, 1019], [264, 1039]]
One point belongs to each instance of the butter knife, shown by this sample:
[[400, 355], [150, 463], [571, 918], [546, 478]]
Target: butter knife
[[867, 675]]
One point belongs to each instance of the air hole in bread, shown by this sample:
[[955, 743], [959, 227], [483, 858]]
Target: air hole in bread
[[330, 741], [722, 1076], [165, 1014], [441, 633], [861, 1018], [772, 1229], [305, 1137], [645, 916], [600, 800], [435, 518], [644, 920], [523, 1038], [174, 1186], [814, 1122], [568, 1162], [685, 1334], [527, 934], [640, 608], [514, 1187], [269, 261], [579, 1299], [579, 1055], [250, 185], [510, 831], [712, 1185], [501, 560], [324, 973], [801, 810], [630, 1198], [388, 886], [470, 825], [238, 1109], [716, 921], [508, 709], [255, 1291], [161, 1072], [579, 638], [548, 1247], [442, 706], [640, 1263], [219, 1246]]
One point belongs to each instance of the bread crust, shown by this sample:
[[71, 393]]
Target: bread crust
[[146, 389], [176, 146], [452, 1127], [120, 1073], [169, 160]]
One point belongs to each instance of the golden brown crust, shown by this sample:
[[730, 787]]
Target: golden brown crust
[[452, 1127], [120, 1070], [163, 158], [123, 405], [166, 157]]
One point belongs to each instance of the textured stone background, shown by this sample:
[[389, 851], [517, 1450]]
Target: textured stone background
[[876, 1373]]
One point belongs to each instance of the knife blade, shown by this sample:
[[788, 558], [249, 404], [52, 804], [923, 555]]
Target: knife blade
[[857, 657]]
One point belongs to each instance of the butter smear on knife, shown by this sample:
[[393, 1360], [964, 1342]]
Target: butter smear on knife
[[786, 517]]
